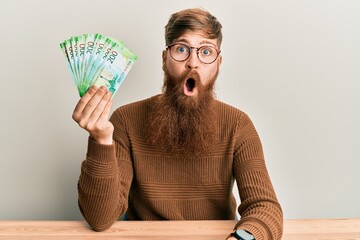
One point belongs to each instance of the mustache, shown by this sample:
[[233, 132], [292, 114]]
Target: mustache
[[193, 74], [177, 83]]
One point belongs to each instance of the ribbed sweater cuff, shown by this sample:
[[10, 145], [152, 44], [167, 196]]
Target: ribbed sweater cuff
[[101, 160], [255, 228], [101, 153]]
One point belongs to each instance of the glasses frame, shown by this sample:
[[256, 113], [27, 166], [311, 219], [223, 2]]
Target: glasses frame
[[191, 49]]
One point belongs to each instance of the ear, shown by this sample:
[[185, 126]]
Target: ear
[[220, 60], [163, 58]]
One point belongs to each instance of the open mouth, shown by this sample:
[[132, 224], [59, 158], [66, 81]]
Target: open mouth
[[190, 84], [190, 88]]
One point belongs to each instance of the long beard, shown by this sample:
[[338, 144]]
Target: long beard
[[183, 124]]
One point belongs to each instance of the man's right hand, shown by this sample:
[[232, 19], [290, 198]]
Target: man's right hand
[[92, 114]]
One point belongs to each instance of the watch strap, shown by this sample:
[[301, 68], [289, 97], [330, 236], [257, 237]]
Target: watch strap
[[242, 234]]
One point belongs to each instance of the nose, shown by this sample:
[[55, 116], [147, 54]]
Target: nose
[[193, 61]]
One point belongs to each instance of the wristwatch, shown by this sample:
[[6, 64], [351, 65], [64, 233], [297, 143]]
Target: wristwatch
[[242, 235]]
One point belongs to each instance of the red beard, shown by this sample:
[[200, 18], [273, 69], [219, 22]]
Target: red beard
[[180, 123]]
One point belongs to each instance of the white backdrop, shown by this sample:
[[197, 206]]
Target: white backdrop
[[293, 66]]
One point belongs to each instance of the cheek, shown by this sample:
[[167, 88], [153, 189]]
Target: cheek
[[208, 74], [174, 69]]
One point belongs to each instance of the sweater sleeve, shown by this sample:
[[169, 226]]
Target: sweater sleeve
[[105, 180], [260, 211]]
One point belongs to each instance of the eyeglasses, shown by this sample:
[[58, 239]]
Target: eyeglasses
[[181, 52]]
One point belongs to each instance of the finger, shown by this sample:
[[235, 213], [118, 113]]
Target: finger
[[93, 103], [85, 99], [99, 110], [105, 114]]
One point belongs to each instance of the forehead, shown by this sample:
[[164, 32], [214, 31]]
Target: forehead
[[195, 39]]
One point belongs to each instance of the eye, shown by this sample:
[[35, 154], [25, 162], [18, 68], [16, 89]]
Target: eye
[[206, 51], [181, 49]]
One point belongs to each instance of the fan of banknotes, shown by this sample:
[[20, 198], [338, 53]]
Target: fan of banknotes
[[94, 59]]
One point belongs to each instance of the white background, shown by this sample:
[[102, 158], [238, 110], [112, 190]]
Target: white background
[[293, 66]]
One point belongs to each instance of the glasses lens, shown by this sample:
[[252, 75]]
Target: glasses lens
[[180, 52], [207, 54]]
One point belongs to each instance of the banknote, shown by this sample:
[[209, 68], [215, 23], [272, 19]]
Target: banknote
[[94, 59], [119, 60]]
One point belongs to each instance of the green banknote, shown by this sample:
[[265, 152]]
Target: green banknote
[[94, 59]]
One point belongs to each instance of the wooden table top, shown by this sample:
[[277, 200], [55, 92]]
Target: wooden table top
[[329, 229]]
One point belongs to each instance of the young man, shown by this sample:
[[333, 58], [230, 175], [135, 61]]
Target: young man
[[175, 156]]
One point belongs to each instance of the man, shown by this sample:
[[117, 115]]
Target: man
[[175, 156]]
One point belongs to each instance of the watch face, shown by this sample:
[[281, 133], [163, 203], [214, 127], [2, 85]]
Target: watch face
[[244, 235]]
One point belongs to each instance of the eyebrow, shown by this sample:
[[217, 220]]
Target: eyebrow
[[202, 42]]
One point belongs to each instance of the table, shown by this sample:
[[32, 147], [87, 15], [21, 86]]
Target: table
[[318, 229]]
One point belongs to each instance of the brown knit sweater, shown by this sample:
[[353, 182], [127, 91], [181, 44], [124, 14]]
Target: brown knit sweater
[[131, 176]]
